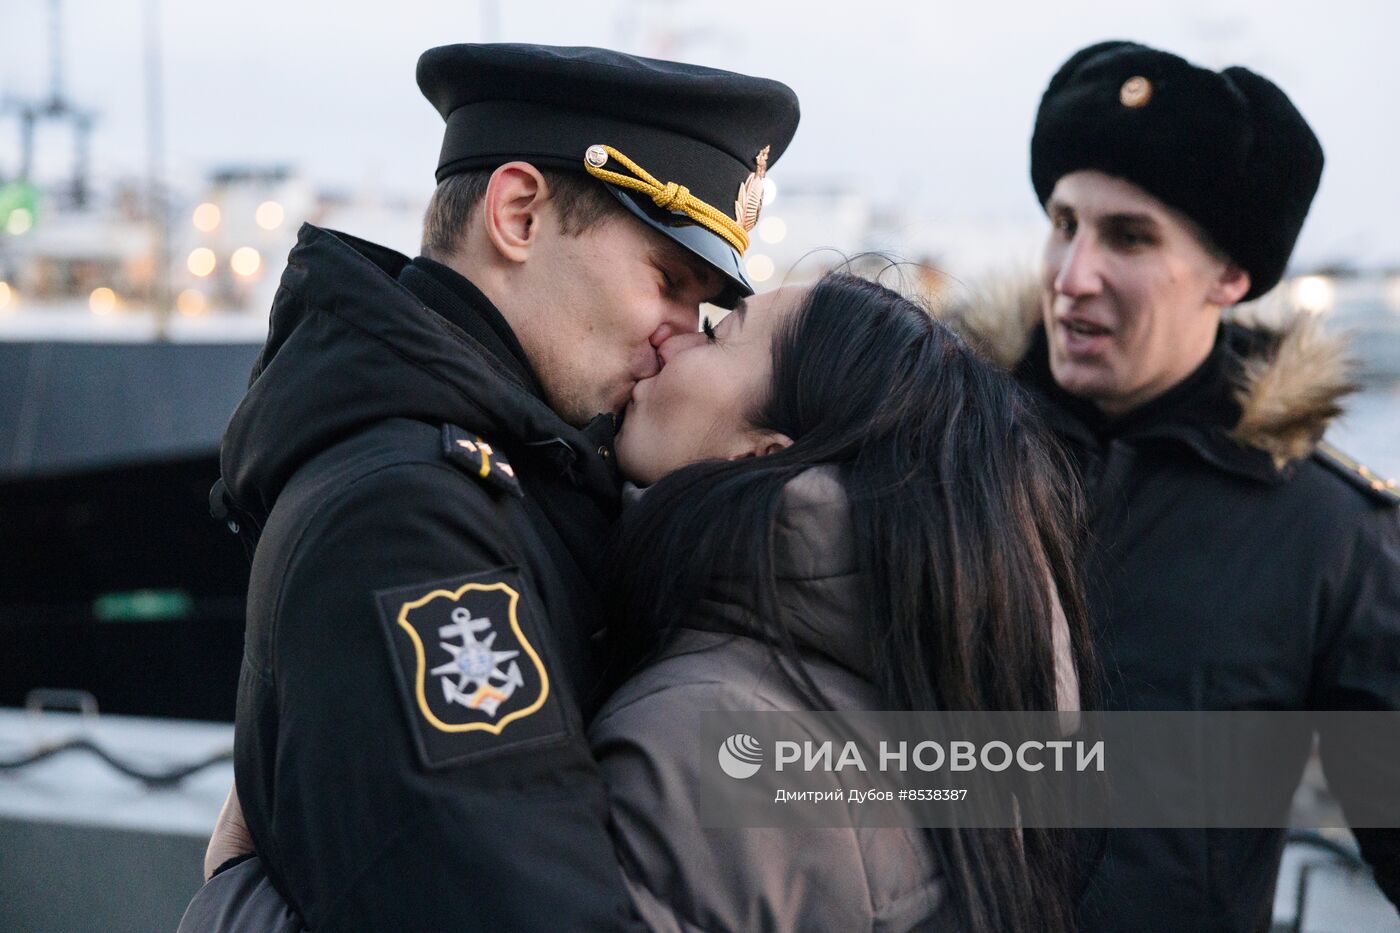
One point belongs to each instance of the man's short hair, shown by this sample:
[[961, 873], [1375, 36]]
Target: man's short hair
[[581, 201]]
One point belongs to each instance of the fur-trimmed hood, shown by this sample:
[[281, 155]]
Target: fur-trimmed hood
[[1289, 388]]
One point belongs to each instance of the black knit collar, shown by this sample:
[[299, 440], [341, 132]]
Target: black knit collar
[[464, 305], [1200, 411]]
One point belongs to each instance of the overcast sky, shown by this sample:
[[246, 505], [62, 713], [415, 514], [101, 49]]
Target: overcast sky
[[928, 104]]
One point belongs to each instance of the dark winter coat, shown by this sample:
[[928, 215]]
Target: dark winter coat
[[1235, 563], [410, 749]]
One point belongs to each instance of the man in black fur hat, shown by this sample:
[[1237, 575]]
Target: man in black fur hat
[[1237, 562]]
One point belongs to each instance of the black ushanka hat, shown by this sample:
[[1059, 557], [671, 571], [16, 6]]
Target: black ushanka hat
[[1228, 149], [683, 147]]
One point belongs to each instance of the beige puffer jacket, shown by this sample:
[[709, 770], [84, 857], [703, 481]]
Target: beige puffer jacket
[[686, 878]]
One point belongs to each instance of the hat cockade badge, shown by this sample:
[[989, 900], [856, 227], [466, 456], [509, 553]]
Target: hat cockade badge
[[750, 199], [1135, 92]]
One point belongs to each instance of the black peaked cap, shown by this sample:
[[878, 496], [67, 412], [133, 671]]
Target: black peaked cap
[[699, 127]]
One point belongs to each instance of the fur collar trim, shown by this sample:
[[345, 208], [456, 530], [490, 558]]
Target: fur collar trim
[[1290, 389]]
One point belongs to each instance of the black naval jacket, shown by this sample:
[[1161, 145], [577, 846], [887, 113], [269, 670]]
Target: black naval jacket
[[410, 752], [1222, 578]]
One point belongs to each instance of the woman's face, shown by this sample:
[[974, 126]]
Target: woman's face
[[698, 406]]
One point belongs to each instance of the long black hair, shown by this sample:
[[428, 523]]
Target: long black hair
[[962, 512]]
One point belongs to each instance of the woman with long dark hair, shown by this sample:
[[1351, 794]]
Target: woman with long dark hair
[[844, 509], [847, 509]]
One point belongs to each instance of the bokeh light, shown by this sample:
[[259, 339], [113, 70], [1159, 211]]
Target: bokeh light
[[772, 229], [206, 217], [270, 215], [201, 261], [245, 261], [760, 267], [191, 302], [1314, 294], [1392, 293], [20, 221], [102, 301]]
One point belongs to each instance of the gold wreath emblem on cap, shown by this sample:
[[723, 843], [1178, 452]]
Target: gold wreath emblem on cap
[[1135, 92], [750, 200]]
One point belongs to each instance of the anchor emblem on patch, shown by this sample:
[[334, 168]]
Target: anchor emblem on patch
[[477, 677], [466, 659], [472, 666]]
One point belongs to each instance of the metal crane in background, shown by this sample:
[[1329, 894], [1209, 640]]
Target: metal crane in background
[[55, 107]]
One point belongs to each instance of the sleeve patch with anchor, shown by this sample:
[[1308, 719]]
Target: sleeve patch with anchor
[[471, 676], [476, 457]]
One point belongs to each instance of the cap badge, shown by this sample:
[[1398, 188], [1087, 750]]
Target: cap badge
[[750, 199], [1135, 92]]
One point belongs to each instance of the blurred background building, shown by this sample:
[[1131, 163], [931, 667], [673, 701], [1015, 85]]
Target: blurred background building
[[157, 159]]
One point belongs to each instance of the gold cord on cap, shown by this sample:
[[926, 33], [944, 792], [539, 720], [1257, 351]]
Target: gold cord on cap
[[668, 196]]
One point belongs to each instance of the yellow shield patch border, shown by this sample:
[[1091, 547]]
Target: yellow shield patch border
[[420, 675]]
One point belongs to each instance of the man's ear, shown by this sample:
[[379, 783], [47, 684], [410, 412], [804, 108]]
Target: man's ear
[[510, 210], [1229, 287], [761, 444]]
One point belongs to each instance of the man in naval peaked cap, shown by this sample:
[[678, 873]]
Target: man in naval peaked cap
[[424, 460], [708, 135]]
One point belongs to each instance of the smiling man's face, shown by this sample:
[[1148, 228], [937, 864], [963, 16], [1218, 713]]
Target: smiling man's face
[[1131, 295]]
